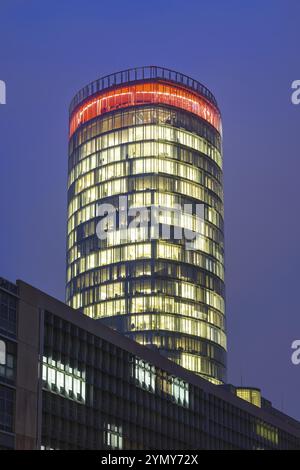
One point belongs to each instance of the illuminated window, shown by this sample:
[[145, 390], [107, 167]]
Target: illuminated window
[[2, 353], [180, 391], [249, 394], [176, 323], [113, 437], [147, 377], [144, 93], [8, 352], [59, 380], [266, 431], [144, 374]]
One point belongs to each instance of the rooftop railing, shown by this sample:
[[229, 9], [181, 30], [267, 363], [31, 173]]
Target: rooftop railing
[[136, 74]]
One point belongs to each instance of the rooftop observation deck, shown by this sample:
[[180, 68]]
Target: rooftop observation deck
[[133, 75]]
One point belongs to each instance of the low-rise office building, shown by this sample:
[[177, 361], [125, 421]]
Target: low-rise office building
[[8, 362], [69, 382]]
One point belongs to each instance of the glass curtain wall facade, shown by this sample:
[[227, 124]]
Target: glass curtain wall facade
[[152, 136]]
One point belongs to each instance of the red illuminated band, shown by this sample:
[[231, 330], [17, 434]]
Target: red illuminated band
[[145, 93]]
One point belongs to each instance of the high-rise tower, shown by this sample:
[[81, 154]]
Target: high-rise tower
[[152, 136]]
